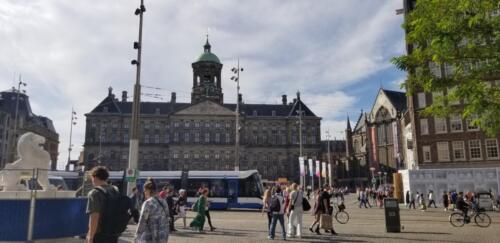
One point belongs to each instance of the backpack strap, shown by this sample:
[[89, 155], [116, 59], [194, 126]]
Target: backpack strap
[[162, 207], [100, 189]]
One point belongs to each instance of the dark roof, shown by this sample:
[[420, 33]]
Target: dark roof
[[335, 146], [361, 121], [398, 99], [8, 105], [115, 106]]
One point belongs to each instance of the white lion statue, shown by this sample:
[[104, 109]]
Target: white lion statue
[[31, 155]]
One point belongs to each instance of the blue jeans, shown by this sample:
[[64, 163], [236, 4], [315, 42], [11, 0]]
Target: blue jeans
[[274, 221]]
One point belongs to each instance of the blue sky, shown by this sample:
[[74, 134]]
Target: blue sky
[[69, 52]]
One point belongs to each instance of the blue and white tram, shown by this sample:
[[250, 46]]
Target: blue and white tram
[[228, 189]]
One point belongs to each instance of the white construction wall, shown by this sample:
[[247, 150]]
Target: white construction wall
[[459, 180]]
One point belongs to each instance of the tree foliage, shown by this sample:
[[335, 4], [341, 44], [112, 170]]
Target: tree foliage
[[461, 39]]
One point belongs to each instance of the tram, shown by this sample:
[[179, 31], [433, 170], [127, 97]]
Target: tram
[[228, 189]]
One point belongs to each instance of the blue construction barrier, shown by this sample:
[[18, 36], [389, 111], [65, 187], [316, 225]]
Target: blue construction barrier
[[60, 217], [54, 218], [14, 216]]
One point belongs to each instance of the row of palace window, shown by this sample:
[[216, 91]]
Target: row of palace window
[[196, 124], [167, 125], [456, 124], [207, 137], [458, 150]]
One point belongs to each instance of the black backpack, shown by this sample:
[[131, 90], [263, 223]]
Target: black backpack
[[115, 213], [275, 204]]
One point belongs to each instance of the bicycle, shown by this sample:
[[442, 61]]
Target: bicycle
[[340, 214], [481, 219]]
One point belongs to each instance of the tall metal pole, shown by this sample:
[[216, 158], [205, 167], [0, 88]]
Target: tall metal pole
[[134, 133], [236, 78], [302, 178], [329, 157], [14, 135], [237, 142], [73, 118]]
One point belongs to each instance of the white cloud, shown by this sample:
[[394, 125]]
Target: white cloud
[[70, 51]]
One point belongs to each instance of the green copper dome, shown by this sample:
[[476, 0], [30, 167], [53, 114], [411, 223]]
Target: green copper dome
[[207, 55]]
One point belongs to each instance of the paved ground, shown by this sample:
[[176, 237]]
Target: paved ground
[[365, 225]]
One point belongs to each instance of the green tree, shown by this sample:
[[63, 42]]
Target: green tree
[[454, 46]]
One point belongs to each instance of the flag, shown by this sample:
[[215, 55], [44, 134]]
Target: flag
[[323, 170], [301, 166], [317, 169], [311, 169]]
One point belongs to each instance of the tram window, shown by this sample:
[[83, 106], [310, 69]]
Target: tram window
[[217, 188], [194, 185], [171, 183], [248, 188]]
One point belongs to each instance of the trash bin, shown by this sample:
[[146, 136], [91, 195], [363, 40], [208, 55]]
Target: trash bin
[[392, 220]]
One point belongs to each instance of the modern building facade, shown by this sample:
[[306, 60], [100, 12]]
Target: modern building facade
[[200, 135], [27, 121]]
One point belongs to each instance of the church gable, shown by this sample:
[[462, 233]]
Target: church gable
[[205, 108], [382, 101]]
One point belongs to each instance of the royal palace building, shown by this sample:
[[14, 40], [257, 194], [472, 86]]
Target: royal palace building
[[200, 135]]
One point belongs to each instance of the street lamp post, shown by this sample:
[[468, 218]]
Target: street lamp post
[[134, 133], [73, 122], [329, 162], [379, 177], [300, 114], [14, 134], [236, 78], [385, 179], [372, 169]]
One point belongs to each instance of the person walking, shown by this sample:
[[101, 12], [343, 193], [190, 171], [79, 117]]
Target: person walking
[[322, 206], [199, 207], [408, 199], [296, 212], [423, 206], [363, 198], [446, 202], [154, 220], [136, 201], [180, 207], [207, 213], [278, 210], [266, 204], [431, 199], [454, 197], [171, 208], [96, 205], [412, 200]]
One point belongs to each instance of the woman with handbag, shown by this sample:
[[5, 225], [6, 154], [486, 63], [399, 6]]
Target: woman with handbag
[[296, 212], [323, 213]]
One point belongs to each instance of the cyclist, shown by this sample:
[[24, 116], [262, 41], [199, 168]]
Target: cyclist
[[463, 206]]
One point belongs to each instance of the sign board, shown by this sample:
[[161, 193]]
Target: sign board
[[374, 180], [282, 180], [131, 175]]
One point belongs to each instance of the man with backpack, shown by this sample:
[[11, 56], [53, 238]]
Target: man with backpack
[[277, 209], [108, 210]]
